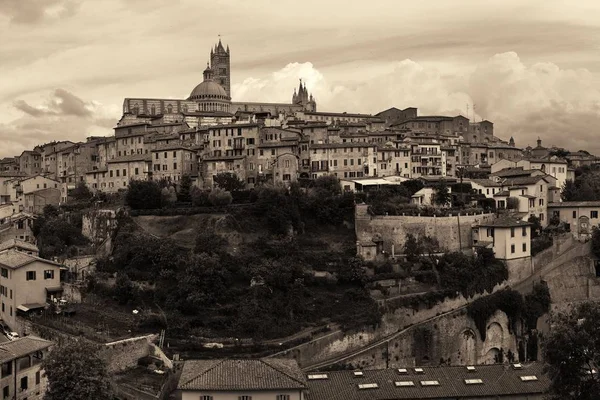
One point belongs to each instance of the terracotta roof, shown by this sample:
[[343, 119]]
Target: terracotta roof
[[523, 180], [342, 114], [484, 182], [505, 222], [341, 145], [15, 259], [21, 347], [16, 243], [227, 375], [566, 204], [516, 171], [496, 380], [502, 193], [129, 158]]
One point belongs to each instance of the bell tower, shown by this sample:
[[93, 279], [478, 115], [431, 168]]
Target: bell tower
[[220, 65]]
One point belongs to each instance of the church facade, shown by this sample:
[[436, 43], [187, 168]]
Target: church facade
[[212, 98]]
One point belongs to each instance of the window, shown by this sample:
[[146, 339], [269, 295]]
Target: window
[[118, 172], [137, 172], [124, 172], [594, 214], [524, 247], [574, 214], [287, 163], [174, 165], [165, 154], [5, 392], [541, 202], [31, 275], [244, 397], [524, 231], [287, 177], [24, 383], [512, 249], [110, 173], [49, 274], [7, 369], [174, 154], [473, 381], [404, 383], [430, 383], [4, 272], [206, 398], [283, 397], [512, 232]]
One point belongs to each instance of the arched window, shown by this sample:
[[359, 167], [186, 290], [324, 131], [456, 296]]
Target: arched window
[[170, 109]]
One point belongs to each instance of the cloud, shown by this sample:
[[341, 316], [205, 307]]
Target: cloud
[[33, 11], [64, 116], [62, 102], [562, 106]]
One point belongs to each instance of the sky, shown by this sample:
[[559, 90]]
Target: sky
[[531, 67]]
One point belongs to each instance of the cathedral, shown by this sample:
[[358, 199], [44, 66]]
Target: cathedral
[[212, 97]]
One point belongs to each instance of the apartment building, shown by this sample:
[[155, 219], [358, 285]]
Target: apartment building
[[171, 162], [27, 282], [578, 216], [532, 193], [344, 160], [509, 237], [30, 162], [427, 159], [394, 160], [118, 172], [22, 376]]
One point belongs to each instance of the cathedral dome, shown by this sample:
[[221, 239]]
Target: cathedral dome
[[208, 89]]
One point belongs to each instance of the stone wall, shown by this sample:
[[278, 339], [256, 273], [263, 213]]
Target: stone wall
[[124, 354], [97, 225], [453, 233], [338, 343], [451, 338]]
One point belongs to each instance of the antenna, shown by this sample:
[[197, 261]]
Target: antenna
[[468, 112], [474, 120]]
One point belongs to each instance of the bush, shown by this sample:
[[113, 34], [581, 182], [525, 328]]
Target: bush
[[199, 197], [540, 244], [219, 197], [143, 195], [509, 301]]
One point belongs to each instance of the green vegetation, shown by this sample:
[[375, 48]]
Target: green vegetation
[[585, 187], [228, 181], [442, 196], [264, 287], [596, 241], [572, 353], [512, 303], [58, 235], [469, 275], [75, 371]]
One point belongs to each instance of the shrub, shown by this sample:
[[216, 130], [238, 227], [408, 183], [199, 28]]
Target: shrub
[[143, 195], [219, 197], [509, 301]]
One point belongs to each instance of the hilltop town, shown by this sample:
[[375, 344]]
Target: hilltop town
[[301, 253]]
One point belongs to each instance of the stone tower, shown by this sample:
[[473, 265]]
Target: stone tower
[[220, 65]]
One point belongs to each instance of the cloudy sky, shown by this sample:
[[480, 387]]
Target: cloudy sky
[[532, 67]]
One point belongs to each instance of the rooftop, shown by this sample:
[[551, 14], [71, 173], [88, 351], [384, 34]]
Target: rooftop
[[16, 243], [516, 171], [523, 180], [249, 374], [128, 158], [568, 204], [21, 347], [506, 221], [15, 259], [457, 382], [484, 182]]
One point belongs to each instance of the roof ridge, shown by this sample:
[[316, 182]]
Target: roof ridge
[[262, 360], [220, 361]]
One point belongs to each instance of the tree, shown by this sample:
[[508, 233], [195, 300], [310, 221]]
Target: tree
[[143, 195], [75, 371], [219, 197], [228, 181], [413, 186], [596, 241], [330, 183], [412, 248], [568, 191], [81, 192], [185, 187], [536, 226], [512, 203], [199, 197], [168, 195], [572, 352], [442, 196]]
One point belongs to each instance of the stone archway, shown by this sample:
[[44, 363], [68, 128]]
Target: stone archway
[[492, 356], [467, 345]]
